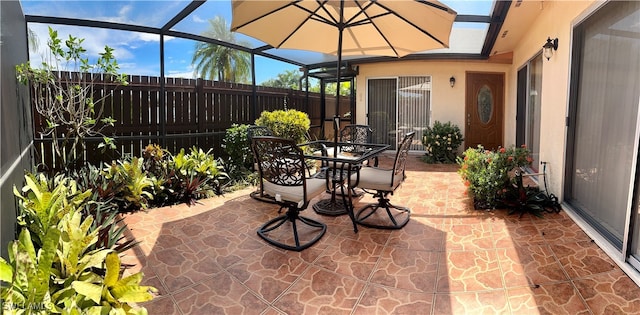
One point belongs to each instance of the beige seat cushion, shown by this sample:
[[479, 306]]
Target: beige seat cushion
[[377, 179], [315, 186]]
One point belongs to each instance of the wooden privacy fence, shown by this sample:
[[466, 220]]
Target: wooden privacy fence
[[194, 112]]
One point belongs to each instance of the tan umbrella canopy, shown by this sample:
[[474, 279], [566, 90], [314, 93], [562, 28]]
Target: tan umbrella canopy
[[346, 27], [380, 28]]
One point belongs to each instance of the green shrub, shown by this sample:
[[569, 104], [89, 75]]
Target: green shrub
[[290, 124], [102, 206], [441, 142], [65, 276], [194, 175], [44, 201], [486, 173], [520, 199], [237, 146], [136, 185]]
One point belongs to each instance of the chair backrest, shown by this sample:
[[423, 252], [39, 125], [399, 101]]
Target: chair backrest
[[355, 134], [280, 161], [258, 131], [401, 155]]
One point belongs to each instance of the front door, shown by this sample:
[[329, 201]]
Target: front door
[[484, 110]]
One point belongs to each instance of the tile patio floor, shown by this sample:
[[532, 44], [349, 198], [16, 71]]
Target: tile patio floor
[[449, 259]]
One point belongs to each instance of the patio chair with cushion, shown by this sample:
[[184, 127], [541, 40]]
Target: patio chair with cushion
[[285, 176], [355, 134], [384, 182]]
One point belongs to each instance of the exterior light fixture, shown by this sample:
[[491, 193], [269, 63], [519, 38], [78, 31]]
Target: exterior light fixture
[[549, 47], [452, 81]]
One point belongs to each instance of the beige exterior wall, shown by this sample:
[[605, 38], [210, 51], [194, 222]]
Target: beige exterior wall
[[447, 103], [556, 19]]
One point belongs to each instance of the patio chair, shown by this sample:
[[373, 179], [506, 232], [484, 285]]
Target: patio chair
[[285, 176], [384, 182], [356, 134], [352, 134], [258, 131]]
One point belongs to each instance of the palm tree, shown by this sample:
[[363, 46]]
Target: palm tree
[[290, 79], [34, 42], [217, 62]]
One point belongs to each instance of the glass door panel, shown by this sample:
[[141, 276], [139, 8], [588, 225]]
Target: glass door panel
[[381, 98]]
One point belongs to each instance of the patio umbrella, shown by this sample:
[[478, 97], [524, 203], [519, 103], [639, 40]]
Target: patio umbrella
[[346, 27]]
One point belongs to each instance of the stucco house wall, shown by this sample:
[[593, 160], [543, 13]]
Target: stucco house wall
[[447, 103], [556, 19]]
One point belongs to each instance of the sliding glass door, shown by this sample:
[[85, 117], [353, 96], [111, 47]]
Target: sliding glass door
[[603, 121], [397, 106], [381, 111]]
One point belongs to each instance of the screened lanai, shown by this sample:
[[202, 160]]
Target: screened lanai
[[167, 36], [159, 52], [451, 258]]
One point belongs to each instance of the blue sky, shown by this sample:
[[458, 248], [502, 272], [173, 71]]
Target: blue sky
[[139, 53]]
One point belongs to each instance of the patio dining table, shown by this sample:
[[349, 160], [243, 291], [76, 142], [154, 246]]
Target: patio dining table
[[337, 169]]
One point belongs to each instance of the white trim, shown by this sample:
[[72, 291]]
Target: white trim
[[627, 236]]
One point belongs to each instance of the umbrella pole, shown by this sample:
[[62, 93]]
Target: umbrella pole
[[336, 118]]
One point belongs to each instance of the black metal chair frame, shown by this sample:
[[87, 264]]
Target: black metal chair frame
[[281, 162], [356, 134], [258, 131], [383, 195]]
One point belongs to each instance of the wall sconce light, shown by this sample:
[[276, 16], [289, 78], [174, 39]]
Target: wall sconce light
[[549, 47], [452, 81]]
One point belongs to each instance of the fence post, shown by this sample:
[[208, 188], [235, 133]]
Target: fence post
[[200, 105]]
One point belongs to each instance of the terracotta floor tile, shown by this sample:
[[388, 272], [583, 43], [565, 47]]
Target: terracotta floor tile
[[529, 266], [508, 234], [366, 235], [268, 272], [320, 291], [581, 259], [610, 293], [557, 298], [380, 300], [489, 303], [560, 231], [351, 258], [419, 234], [464, 271], [180, 267], [220, 294], [407, 269], [161, 305], [467, 237], [449, 259]]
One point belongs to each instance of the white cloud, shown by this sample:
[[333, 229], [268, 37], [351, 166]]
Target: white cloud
[[184, 75], [198, 19], [147, 37], [124, 11]]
